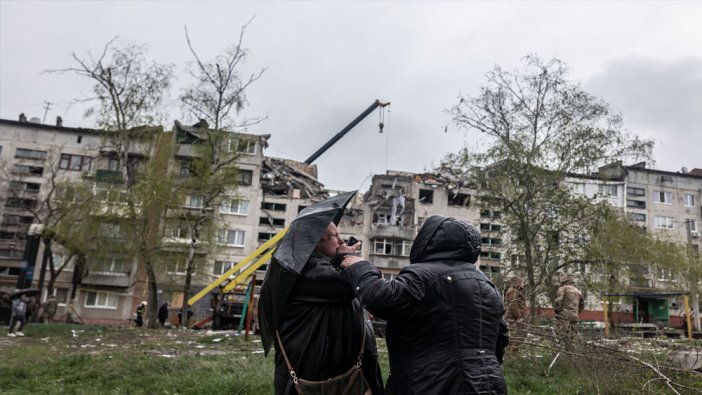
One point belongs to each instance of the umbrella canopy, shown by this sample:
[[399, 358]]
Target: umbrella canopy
[[25, 291], [290, 258]]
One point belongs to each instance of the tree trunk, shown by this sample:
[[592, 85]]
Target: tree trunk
[[189, 268], [78, 272], [42, 274], [151, 311]]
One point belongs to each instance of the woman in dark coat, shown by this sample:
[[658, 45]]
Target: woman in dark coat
[[322, 326], [445, 331]]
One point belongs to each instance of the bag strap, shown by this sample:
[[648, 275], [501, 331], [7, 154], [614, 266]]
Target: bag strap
[[293, 375], [291, 370]]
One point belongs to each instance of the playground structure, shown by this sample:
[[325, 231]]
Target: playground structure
[[231, 283]]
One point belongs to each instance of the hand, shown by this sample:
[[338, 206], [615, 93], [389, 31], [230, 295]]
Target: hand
[[345, 249], [350, 260]]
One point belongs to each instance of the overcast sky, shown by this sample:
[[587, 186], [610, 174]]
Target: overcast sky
[[328, 61]]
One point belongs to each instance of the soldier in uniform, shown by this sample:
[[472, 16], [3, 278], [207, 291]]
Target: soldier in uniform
[[569, 304], [516, 311], [49, 310]]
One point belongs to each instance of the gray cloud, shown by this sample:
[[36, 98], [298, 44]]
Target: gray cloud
[[659, 100], [327, 61]]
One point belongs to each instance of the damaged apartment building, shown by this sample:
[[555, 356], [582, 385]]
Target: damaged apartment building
[[397, 203], [270, 193]]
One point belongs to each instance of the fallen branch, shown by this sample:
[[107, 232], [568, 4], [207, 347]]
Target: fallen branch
[[663, 377]]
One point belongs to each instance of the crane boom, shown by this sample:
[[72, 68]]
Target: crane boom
[[345, 130]]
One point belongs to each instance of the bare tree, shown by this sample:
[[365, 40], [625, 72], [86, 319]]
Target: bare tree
[[129, 91], [541, 127], [219, 93], [217, 96]]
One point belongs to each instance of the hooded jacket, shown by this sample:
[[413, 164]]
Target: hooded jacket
[[445, 331]]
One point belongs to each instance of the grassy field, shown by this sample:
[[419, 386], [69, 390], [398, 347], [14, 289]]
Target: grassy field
[[79, 359]]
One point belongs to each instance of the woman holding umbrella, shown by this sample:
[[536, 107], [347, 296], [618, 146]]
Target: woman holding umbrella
[[310, 314]]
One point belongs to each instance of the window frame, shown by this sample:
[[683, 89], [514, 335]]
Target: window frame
[[634, 191], [609, 190], [111, 265], [658, 194], [66, 162], [272, 206], [402, 247], [689, 200], [226, 205], [224, 267], [224, 240], [28, 153], [669, 222], [244, 177], [104, 306], [198, 199], [637, 217], [384, 243], [242, 145], [638, 204]]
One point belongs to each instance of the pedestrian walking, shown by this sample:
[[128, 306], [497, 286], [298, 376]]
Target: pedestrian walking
[[19, 314]]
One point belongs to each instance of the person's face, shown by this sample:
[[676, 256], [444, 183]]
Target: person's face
[[329, 242], [23, 297]]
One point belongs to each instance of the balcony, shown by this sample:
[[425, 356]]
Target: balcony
[[110, 279], [394, 232], [108, 176]]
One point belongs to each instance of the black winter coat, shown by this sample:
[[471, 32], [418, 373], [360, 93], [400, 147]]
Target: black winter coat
[[445, 331], [322, 330]]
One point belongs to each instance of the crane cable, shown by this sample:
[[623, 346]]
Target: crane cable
[[381, 126]]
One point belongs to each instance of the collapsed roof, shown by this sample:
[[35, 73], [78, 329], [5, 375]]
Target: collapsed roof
[[450, 177], [286, 177]]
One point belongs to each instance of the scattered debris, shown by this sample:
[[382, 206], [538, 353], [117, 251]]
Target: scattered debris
[[285, 177]]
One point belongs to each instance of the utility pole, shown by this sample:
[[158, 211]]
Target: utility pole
[[47, 107], [694, 289]]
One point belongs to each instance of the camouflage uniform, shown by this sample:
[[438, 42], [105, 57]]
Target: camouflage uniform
[[516, 303], [49, 310], [516, 312], [569, 304]]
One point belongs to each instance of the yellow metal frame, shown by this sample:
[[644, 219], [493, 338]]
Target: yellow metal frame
[[686, 305], [263, 253]]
